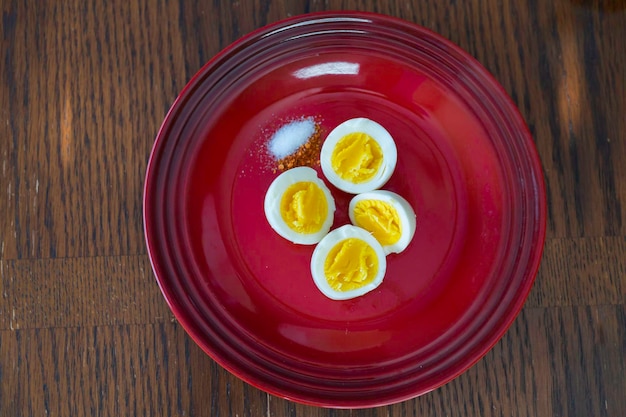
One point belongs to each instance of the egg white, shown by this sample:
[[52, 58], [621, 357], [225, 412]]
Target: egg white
[[321, 253], [380, 135], [406, 215], [273, 198]]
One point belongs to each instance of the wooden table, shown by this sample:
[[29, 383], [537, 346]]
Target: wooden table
[[84, 329]]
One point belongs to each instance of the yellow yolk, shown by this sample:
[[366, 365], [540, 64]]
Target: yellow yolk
[[350, 264], [381, 219], [356, 157], [303, 207]]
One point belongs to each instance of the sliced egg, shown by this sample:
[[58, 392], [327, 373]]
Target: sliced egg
[[299, 206], [358, 156], [347, 263], [387, 216]]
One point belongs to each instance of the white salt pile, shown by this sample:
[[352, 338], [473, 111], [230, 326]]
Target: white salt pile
[[290, 137]]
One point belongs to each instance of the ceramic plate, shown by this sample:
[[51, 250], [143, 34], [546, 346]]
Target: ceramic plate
[[466, 163]]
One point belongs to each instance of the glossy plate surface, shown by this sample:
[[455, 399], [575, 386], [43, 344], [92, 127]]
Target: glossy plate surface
[[466, 163]]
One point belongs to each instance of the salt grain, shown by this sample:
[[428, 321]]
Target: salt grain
[[290, 137]]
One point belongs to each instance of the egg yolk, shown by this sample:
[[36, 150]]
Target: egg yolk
[[356, 157], [303, 207], [379, 218], [350, 264]]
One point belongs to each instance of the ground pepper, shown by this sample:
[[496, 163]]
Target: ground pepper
[[306, 155]]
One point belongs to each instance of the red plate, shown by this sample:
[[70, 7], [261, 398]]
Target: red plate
[[466, 163]]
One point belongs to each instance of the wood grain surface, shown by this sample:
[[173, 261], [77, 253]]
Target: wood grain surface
[[84, 330]]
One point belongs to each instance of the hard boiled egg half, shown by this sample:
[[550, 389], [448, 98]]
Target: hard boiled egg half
[[358, 156], [347, 263], [299, 206], [387, 216]]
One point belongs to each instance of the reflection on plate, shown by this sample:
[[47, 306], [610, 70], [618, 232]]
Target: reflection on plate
[[466, 163]]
